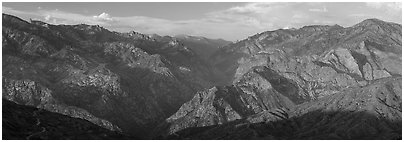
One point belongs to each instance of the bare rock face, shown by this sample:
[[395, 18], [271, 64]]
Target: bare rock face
[[320, 59], [260, 90], [296, 73], [122, 82], [27, 43], [137, 58], [205, 109], [26, 92], [30, 93], [247, 63], [312, 77], [370, 112], [345, 49], [342, 60]]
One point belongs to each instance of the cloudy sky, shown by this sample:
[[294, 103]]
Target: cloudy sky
[[230, 21]]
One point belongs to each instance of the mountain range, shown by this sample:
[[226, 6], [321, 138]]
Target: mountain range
[[315, 82]]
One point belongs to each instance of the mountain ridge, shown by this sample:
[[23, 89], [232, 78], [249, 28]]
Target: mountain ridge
[[127, 80], [359, 57], [189, 87]]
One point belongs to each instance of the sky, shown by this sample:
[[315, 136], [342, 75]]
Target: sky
[[227, 20]]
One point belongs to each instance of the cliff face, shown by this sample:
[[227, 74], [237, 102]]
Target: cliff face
[[370, 112], [278, 74], [121, 81]]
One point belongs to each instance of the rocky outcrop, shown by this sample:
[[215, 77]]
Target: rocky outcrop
[[131, 81], [30, 93], [303, 66], [321, 59], [259, 90], [137, 58], [370, 112]]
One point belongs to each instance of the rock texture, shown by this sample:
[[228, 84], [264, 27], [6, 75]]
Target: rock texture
[[370, 112], [254, 94], [125, 82], [346, 49], [316, 82], [282, 74], [29, 93]]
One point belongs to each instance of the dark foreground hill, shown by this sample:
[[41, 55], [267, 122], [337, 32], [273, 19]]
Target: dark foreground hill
[[24, 122], [369, 112]]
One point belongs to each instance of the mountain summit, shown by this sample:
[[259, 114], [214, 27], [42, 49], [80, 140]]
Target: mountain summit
[[127, 82], [282, 82], [316, 82]]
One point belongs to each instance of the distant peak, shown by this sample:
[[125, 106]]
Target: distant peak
[[317, 27], [188, 37], [372, 21], [135, 33], [181, 36]]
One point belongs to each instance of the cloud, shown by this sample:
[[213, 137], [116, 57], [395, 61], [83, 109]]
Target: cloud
[[233, 23], [103, 17], [252, 8], [359, 15], [12, 11], [47, 17], [392, 8], [324, 9], [257, 15], [68, 18], [390, 5], [285, 28], [62, 17]]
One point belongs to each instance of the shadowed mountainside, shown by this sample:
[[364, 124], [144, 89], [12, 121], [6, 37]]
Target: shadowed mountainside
[[370, 112], [24, 122]]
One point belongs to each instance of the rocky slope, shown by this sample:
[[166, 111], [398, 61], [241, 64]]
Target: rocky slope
[[275, 72], [316, 82], [28, 123], [220, 105], [370, 112], [121, 81], [372, 41]]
